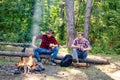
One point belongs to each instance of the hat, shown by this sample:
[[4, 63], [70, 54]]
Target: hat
[[50, 31]]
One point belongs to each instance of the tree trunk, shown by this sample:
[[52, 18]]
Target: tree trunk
[[62, 26], [87, 18], [70, 22]]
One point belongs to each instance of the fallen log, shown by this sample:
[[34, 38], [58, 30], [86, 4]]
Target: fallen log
[[25, 54], [89, 60], [74, 64], [15, 54], [80, 64], [16, 44], [95, 61]]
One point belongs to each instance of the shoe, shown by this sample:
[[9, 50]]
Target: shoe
[[87, 65], [52, 63], [40, 66], [75, 60]]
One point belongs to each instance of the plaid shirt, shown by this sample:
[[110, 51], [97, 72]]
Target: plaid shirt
[[46, 41], [83, 44]]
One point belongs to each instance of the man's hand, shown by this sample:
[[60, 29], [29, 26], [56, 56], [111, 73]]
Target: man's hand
[[34, 46], [83, 49], [86, 49], [51, 45], [78, 47], [74, 46]]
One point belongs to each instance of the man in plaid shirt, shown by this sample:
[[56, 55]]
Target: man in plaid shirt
[[80, 47], [49, 45]]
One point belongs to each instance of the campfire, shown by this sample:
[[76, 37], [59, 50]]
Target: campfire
[[27, 66]]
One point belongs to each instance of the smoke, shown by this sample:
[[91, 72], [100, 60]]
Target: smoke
[[35, 29], [37, 17]]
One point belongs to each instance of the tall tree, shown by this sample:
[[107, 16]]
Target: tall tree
[[87, 18], [62, 28], [70, 22]]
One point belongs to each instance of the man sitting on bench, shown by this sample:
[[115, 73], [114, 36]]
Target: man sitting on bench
[[49, 45]]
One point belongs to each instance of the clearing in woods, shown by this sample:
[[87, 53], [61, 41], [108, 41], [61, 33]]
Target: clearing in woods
[[94, 72]]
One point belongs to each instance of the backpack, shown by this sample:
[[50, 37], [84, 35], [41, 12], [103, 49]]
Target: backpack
[[66, 61]]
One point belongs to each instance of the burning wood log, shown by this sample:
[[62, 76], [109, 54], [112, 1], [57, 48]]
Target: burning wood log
[[21, 65], [27, 66]]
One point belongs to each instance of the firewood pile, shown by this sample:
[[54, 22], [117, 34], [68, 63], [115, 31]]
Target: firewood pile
[[27, 66]]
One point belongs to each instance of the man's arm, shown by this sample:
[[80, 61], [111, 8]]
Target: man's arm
[[74, 46], [88, 46], [84, 49], [33, 42], [55, 43], [87, 49]]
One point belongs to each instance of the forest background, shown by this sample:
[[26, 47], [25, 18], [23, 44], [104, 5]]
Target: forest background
[[18, 22]]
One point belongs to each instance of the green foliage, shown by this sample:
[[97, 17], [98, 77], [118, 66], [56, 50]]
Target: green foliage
[[104, 25], [16, 21]]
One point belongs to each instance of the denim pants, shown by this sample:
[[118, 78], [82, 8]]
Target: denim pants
[[79, 54], [38, 51]]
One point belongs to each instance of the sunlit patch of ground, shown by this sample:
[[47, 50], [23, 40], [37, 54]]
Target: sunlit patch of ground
[[112, 70]]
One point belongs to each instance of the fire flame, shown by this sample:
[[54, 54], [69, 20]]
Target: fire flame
[[21, 63], [30, 62]]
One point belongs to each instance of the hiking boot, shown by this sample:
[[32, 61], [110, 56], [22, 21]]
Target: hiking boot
[[87, 65], [52, 63], [75, 61], [40, 66]]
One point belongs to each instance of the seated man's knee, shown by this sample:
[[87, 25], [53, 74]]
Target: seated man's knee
[[36, 49], [56, 48], [85, 54], [74, 49], [35, 52]]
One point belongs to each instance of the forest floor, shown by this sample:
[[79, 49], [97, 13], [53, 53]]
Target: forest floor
[[94, 72]]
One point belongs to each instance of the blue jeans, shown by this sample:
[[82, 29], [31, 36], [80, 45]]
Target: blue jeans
[[79, 54], [38, 51]]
